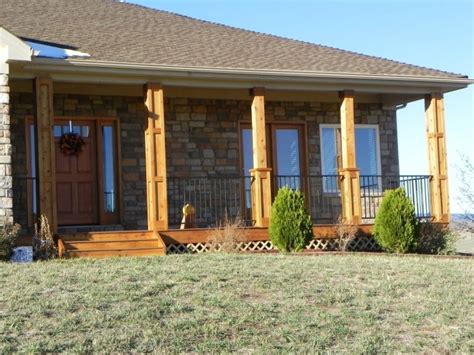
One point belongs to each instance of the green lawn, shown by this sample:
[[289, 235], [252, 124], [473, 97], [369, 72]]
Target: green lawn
[[222, 303]]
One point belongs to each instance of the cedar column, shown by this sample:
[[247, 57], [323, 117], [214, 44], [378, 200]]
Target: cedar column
[[435, 131], [45, 142], [350, 186], [261, 174], [155, 151]]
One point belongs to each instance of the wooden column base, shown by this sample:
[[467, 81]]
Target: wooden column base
[[261, 196], [439, 199], [350, 195]]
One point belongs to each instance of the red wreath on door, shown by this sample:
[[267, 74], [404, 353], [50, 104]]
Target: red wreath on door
[[71, 143]]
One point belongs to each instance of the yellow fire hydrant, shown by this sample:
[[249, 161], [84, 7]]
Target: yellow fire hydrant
[[189, 217]]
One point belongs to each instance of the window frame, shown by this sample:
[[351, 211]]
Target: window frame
[[338, 126], [270, 129]]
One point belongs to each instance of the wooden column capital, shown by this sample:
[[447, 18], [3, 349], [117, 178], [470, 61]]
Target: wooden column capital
[[346, 94], [434, 95], [257, 91]]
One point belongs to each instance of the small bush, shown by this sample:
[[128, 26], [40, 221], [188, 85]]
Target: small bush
[[436, 239], [227, 236], [44, 247], [8, 235], [290, 228], [396, 226], [346, 233]]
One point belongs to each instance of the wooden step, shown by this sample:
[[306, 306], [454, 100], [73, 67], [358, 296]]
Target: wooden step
[[105, 244], [108, 236], [111, 244], [114, 253], [89, 228]]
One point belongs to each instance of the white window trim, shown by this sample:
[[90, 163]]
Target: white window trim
[[335, 126]]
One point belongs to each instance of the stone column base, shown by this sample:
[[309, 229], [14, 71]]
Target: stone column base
[[6, 181]]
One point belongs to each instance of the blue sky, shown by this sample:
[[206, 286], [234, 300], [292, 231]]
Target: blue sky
[[437, 34]]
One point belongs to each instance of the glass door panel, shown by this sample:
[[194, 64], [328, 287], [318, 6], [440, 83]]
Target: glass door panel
[[108, 156], [108, 167], [247, 163], [287, 157]]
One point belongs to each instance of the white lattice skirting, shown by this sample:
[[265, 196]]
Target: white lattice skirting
[[358, 244]]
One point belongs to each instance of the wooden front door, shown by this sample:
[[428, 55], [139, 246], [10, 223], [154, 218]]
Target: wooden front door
[[76, 175]]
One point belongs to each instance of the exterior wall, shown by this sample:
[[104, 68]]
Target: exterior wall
[[202, 136], [202, 139], [21, 107], [317, 113], [131, 113], [6, 192]]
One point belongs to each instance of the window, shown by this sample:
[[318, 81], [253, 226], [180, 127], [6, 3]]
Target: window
[[108, 159], [367, 152], [33, 168]]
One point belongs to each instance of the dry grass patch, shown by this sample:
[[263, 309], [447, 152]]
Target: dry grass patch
[[238, 302], [228, 236]]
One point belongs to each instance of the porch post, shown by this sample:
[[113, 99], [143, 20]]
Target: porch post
[[350, 186], [44, 121], [6, 188], [261, 173], [155, 151], [435, 131]]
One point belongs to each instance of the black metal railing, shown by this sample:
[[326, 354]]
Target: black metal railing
[[214, 198], [417, 188], [321, 192], [25, 200]]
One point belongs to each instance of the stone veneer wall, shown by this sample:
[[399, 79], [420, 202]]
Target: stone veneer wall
[[316, 113], [203, 139], [6, 192], [131, 113], [202, 136]]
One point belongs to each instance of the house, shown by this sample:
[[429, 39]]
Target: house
[[114, 116]]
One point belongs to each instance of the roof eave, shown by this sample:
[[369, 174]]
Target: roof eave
[[147, 72]]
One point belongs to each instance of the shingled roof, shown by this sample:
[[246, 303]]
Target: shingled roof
[[113, 31]]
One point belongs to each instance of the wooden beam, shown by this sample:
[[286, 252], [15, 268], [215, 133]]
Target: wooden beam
[[44, 122], [261, 173], [136, 90], [438, 167], [350, 175], [155, 150], [202, 235]]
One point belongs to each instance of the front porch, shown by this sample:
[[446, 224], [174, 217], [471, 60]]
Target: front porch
[[225, 152]]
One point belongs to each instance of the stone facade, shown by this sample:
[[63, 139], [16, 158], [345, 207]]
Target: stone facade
[[131, 114], [202, 139], [6, 192]]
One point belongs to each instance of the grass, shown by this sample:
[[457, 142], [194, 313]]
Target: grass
[[224, 303]]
